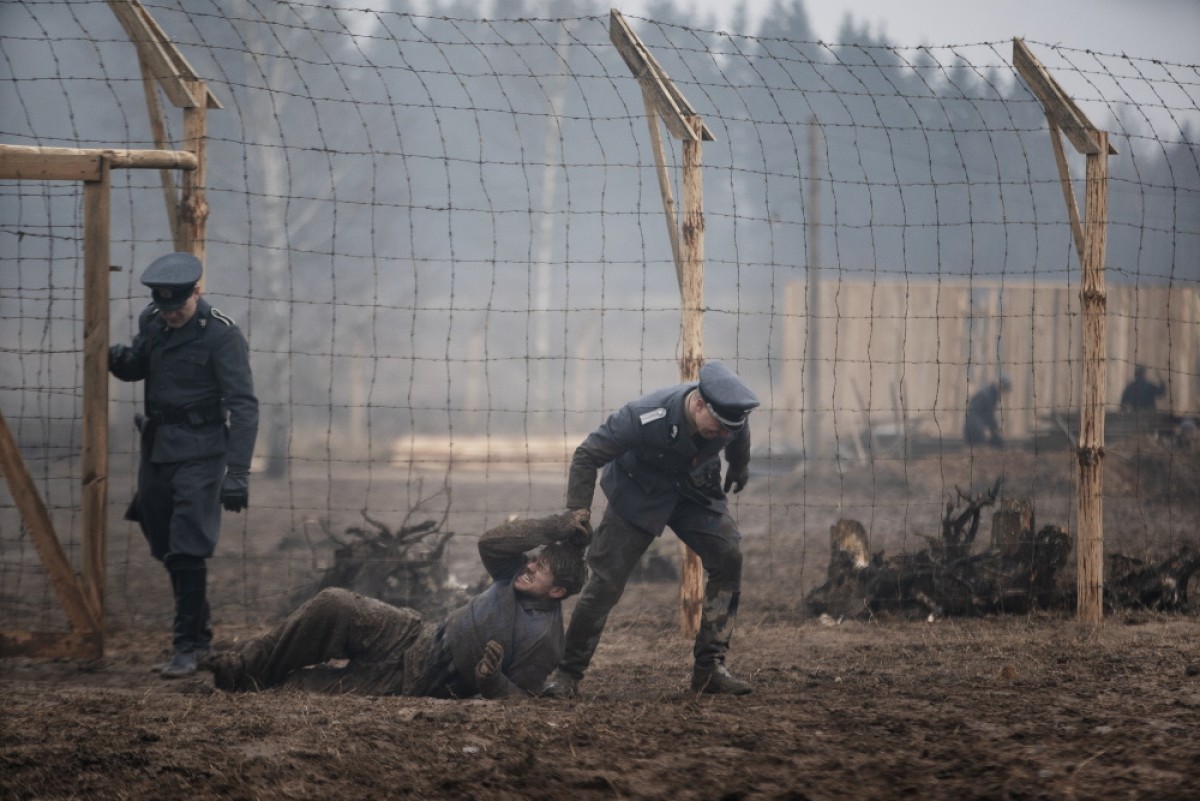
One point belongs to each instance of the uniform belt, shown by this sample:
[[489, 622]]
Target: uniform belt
[[197, 414]]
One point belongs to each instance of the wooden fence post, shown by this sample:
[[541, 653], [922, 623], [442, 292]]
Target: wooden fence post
[[95, 387], [664, 101], [691, 289], [1093, 299], [1062, 114]]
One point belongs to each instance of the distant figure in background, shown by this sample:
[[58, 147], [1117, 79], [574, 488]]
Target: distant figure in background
[[981, 426], [1141, 394]]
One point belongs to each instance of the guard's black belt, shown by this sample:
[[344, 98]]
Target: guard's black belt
[[196, 414]]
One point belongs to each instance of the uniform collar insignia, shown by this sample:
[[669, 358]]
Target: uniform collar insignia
[[674, 432]]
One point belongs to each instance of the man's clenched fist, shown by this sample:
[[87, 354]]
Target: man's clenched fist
[[489, 665]]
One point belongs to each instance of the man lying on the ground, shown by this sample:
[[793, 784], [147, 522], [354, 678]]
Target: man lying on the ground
[[503, 642]]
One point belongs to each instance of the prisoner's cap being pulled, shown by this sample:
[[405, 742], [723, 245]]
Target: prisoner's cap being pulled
[[172, 278], [727, 396]]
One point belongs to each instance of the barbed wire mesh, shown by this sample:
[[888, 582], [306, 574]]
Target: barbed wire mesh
[[444, 239]]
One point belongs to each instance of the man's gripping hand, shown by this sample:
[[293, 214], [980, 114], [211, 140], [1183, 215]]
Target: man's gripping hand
[[582, 520], [489, 665], [119, 357], [736, 478], [235, 490]]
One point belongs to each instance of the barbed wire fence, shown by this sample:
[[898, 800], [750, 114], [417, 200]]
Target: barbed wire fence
[[444, 240]]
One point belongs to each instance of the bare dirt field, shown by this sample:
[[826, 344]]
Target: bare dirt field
[[992, 708], [1029, 707]]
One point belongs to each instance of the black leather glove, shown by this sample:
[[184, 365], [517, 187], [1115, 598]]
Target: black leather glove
[[736, 477], [235, 490], [119, 356], [582, 535]]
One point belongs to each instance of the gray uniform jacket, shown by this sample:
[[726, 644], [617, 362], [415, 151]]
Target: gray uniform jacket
[[530, 629], [193, 376], [652, 462]]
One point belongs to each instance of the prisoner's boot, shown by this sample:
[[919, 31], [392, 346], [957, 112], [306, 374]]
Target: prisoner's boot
[[561, 685], [717, 680], [229, 671]]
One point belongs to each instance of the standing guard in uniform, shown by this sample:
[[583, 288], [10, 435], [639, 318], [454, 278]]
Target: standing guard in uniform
[[661, 456], [197, 438]]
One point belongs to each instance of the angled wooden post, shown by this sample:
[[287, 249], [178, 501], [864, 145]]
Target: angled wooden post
[[665, 102], [163, 64], [1064, 116], [85, 627]]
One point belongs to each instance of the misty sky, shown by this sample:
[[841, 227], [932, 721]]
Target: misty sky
[[1165, 29]]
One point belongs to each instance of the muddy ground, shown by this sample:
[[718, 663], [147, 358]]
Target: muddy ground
[[999, 708], [993, 708]]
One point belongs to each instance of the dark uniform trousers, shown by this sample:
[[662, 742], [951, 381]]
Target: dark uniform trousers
[[180, 504], [614, 552]]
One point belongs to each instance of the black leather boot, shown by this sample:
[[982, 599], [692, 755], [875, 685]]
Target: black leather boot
[[191, 635], [717, 621]]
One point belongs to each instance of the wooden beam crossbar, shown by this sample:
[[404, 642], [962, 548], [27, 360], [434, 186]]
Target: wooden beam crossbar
[[22, 162]]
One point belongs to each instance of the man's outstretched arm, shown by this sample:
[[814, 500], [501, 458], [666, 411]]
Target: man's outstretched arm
[[503, 548]]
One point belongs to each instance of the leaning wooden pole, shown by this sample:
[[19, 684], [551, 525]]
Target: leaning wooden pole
[[1094, 299], [192, 222], [36, 518], [158, 128], [664, 187]]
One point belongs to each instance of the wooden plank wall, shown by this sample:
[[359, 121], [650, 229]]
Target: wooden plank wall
[[914, 352]]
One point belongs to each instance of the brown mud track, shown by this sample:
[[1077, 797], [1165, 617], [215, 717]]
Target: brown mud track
[[1003, 708]]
